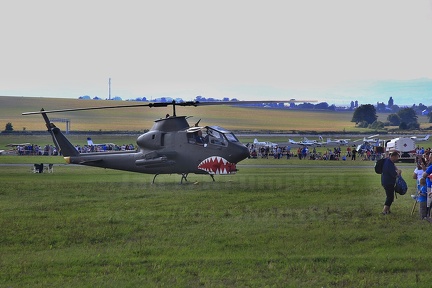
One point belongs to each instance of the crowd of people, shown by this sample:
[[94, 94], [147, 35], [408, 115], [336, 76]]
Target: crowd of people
[[103, 148], [365, 152], [50, 150], [422, 174], [32, 149]]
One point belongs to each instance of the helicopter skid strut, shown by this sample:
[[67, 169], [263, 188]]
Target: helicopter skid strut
[[154, 178], [184, 176]]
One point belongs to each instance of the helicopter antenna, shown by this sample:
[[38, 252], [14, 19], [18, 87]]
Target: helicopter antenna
[[174, 111]]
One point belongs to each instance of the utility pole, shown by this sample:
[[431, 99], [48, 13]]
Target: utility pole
[[109, 88]]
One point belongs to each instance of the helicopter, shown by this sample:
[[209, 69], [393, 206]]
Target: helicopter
[[171, 146]]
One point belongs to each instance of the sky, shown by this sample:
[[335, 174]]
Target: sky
[[331, 51]]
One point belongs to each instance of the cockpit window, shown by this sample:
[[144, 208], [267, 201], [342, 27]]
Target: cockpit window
[[231, 137], [197, 135], [216, 137], [221, 133], [212, 135]]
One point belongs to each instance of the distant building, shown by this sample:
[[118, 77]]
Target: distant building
[[390, 102]]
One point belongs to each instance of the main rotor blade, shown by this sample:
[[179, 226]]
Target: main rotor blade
[[166, 104], [235, 103], [97, 108]]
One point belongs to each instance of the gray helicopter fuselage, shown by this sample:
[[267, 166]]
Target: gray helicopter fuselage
[[172, 147]]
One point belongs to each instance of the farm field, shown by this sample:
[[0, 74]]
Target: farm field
[[136, 120], [286, 223]]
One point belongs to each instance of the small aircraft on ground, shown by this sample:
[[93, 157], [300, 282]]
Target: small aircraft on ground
[[171, 146], [264, 143], [305, 142], [342, 142], [101, 146], [416, 139], [372, 140]]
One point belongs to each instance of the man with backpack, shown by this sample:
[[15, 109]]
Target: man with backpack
[[388, 180]]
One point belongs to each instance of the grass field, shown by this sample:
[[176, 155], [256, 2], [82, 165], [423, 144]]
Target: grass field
[[277, 223], [309, 223]]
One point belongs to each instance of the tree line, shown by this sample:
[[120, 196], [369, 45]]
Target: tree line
[[365, 116]]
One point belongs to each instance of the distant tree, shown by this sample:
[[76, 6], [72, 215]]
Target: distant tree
[[376, 125], [322, 105], [306, 106], [403, 126], [413, 126], [363, 124], [394, 119], [381, 107], [429, 115], [366, 113], [8, 127], [395, 108], [422, 107], [419, 108], [407, 115]]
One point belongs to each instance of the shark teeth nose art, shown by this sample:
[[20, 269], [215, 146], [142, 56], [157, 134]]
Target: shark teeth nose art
[[217, 165]]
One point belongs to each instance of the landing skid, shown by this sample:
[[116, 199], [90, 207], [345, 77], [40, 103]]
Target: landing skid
[[183, 177]]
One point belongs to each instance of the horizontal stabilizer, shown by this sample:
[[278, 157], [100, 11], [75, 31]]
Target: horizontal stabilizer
[[83, 162]]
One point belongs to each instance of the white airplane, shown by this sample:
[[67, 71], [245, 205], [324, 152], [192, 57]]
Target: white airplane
[[426, 138], [264, 143], [373, 140], [103, 146], [305, 142], [342, 142]]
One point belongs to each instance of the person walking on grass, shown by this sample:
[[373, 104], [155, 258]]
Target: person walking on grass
[[388, 180]]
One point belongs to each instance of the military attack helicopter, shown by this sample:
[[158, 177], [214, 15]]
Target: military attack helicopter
[[171, 146]]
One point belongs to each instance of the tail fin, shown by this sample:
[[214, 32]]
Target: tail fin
[[61, 142], [89, 141]]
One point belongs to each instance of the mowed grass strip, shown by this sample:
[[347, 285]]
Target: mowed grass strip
[[284, 226]]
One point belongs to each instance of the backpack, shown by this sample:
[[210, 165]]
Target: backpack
[[379, 165], [401, 186]]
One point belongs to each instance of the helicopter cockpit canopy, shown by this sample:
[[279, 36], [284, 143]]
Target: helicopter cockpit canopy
[[212, 135]]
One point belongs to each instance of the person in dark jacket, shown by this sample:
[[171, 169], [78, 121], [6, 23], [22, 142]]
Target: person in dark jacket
[[388, 180]]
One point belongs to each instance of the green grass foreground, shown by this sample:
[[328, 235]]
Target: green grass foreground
[[292, 224]]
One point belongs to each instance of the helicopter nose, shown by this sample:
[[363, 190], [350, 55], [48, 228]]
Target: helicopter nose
[[241, 153]]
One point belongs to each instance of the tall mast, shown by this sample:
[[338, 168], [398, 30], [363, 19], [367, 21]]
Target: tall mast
[[109, 88]]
